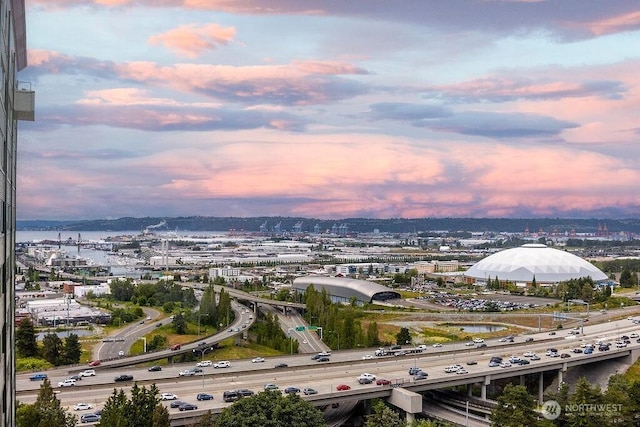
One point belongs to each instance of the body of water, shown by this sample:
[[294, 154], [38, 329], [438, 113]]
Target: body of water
[[480, 329]]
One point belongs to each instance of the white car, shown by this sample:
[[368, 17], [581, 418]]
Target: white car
[[222, 364], [168, 396], [450, 369], [367, 357], [634, 335], [505, 365], [462, 371], [478, 340], [528, 354], [67, 383], [437, 345], [88, 373], [367, 376], [187, 373], [82, 406], [121, 353], [257, 360], [204, 363], [470, 344]]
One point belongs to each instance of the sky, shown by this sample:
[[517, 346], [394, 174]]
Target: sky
[[331, 109]]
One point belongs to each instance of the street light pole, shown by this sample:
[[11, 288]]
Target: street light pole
[[202, 352]]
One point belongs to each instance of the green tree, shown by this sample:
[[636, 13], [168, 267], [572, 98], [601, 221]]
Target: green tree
[[26, 339], [403, 337], [71, 351], [515, 408], [585, 394], [626, 280], [373, 335], [179, 324], [383, 416], [142, 410], [270, 409], [52, 348], [45, 412]]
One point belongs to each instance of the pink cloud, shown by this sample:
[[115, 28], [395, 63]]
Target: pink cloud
[[192, 40], [616, 24]]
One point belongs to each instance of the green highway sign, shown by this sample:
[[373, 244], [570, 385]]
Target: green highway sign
[[299, 328], [312, 328]]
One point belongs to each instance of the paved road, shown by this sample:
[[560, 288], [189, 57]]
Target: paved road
[[124, 338]]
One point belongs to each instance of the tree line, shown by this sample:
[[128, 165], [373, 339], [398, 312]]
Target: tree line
[[54, 350]]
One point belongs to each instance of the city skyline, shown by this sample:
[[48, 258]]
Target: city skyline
[[495, 108]]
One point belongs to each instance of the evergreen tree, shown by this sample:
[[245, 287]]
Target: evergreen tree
[[373, 335], [72, 350], [45, 412], [26, 339], [383, 416], [403, 337], [179, 324], [52, 348], [515, 408]]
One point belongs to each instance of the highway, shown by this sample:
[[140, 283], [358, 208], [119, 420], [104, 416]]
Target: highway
[[344, 367]]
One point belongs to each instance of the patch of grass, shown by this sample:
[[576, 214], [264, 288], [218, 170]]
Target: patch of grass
[[633, 373]]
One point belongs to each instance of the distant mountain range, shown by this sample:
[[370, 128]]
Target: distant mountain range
[[594, 226]]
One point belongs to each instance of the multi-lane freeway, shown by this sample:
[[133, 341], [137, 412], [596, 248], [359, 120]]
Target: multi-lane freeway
[[343, 368]]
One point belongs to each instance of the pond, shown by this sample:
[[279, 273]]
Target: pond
[[482, 328]]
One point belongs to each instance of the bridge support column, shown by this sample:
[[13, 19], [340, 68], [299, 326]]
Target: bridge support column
[[559, 377], [483, 389], [540, 388], [406, 400], [410, 418], [522, 380], [469, 390], [366, 406]]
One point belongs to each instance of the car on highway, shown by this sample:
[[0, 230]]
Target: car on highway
[[175, 403], [245, 392], [90, 418], [342, 387], [382, 381], [121, 353], [187, 407], [168, 396], [175, 347], [420, 375], [204, 363], [365, 380], [222, 364], [505, 365], [523, 362], [257, 360], [231, 396], [528, 339], [470, 344], [155, 368], [481, 345], [123, 377], [82, 406], [472, 362], [309, 391], [281, 365], [88, 373], [528, 354], [535, 357], [76, 377], [323, 359], [94, 363], [270, 386], [565, 356], [478, 340], [293, 390], [367, 357], [413, 370], [462, 371], [38, 377], [367, 376], [187, 373], [437, 345], [204, 396], [67, 383]]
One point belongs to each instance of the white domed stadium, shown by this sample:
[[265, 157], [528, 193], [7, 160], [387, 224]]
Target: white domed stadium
[[522, 264]]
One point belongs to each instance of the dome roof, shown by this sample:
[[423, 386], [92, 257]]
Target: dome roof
[[546, 264]]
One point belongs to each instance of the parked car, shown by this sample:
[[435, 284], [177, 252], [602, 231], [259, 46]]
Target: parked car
[[90, 418], [342, 387], [187, 407], [82, 406], [123, 377], [88, 373], [309, 391], [168, 396], [204, 396], [155, 368], [38, 377]]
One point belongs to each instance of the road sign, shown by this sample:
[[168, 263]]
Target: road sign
[[312, 328], [300, 328]]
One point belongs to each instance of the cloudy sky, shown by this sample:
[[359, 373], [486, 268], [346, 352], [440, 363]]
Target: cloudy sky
[[331, 109]]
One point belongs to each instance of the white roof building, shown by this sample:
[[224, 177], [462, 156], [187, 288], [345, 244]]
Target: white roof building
[[522, 264]]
